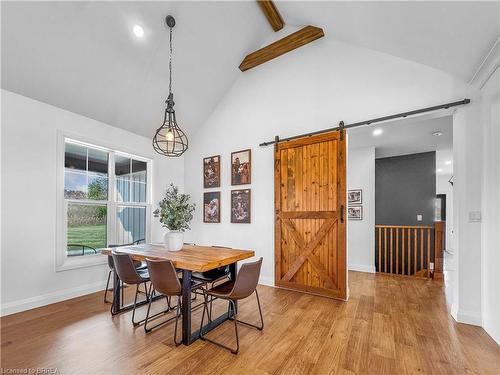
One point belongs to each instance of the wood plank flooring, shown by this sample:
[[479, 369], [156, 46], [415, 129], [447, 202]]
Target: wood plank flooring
[[390, 325]]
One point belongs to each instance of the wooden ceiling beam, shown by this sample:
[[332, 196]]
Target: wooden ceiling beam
[[280, 47], [272, 14]]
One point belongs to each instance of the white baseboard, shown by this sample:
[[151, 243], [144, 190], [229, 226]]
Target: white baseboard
[[46, 299], [361, 268], [265, 280], [468, 317]]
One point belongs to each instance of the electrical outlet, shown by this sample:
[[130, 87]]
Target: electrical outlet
[[419, 217]]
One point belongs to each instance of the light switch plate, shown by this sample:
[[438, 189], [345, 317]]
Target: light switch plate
[[474, 216], [419, 217]]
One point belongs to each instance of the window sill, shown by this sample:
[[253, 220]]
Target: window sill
[[70, 263]]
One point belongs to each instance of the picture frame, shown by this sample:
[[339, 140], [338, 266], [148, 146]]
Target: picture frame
[[211, 207], [355, 213], [241, 206], [355, 196], [241, 167], [211, 172]]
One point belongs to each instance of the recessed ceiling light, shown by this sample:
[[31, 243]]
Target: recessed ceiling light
[[377, 132], [437, 133], [439, 170], [448, 162], [138, 31]]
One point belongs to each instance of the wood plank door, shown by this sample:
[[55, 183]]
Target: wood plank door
[[310, 223]]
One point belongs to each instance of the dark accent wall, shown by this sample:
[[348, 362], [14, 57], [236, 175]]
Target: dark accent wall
[[405, 186]]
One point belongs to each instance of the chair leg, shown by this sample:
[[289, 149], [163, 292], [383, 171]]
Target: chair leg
[[235, 329], [169, 306], [135, 304], [211, 300], [107, 286], [261, 327], [260, 312], [177, 314], [147, 312], [122, 288], [203, 315], [205, 307], [151, 294]]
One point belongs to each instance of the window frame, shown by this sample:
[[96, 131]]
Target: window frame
[[62, 261]]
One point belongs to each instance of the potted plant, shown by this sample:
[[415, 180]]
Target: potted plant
[[175, 213]]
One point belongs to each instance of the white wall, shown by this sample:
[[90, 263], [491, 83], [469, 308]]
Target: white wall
[[467, 159], [28, 148], [361, 233], [490, 114], [476, 185], [308, 89]]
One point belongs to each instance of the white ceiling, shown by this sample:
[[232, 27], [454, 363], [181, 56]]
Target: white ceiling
[[406, 136], [450, 36], [82, 56]]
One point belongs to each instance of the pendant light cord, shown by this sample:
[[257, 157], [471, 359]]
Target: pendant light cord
[[170, 63]]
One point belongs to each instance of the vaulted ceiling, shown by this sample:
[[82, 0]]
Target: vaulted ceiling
[[83, 57]]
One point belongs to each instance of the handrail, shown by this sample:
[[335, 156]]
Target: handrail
[[405, 226]]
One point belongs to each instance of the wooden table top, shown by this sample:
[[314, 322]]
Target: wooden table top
[[191, 257]]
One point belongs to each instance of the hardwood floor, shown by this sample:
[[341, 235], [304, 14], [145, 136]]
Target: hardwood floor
[[390, 325]]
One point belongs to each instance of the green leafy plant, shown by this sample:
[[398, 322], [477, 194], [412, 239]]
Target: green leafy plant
[[175, 212]]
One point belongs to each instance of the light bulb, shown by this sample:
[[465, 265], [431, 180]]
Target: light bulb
[[138, 31], [169, 136]]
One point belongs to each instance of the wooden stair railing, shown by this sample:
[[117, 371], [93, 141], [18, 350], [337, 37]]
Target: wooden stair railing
[[405, 250]]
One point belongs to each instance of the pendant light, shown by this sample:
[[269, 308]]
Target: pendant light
[[169, 139]]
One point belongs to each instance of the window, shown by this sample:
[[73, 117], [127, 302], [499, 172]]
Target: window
[[106, 201]]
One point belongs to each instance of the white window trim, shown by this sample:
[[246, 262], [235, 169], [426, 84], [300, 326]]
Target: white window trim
[[62, 261]]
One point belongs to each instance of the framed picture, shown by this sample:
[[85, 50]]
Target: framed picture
[[355, 196], [211, 172], [241, 206], [355, 213], [241, 167], [211, 207]]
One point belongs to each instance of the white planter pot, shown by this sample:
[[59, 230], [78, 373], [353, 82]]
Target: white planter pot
[[174, 240]]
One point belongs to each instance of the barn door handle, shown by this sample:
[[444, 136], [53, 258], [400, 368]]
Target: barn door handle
[[342, 213]]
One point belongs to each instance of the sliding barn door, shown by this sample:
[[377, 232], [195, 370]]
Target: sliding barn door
[[310, 233]]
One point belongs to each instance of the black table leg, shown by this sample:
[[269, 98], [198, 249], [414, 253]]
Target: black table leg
[[115, 307], [186, 307], [232, 274]]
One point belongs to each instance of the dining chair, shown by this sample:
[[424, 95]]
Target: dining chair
[[137, 264], [233, 290], [130, 275], [165, 280], [211, 277]]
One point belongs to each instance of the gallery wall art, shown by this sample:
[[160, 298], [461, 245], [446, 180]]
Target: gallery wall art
[[355, 196], [241, 167], [211, 172], [355, 213], [354, 201], [211, 207], [241, 206]]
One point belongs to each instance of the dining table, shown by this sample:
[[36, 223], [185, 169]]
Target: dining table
[[191, 258]]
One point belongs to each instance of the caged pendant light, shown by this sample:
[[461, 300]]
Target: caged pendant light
[[169, 139]]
